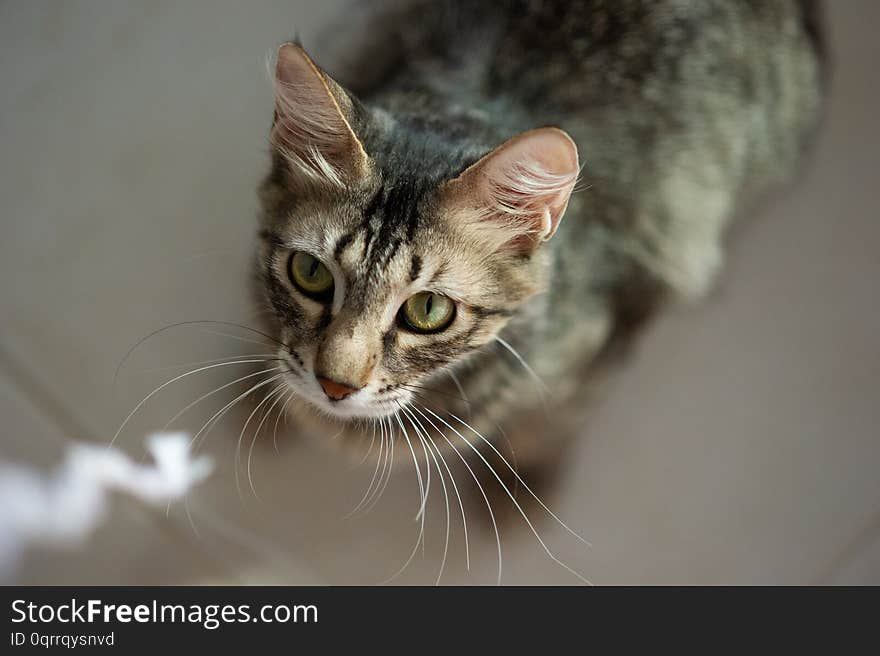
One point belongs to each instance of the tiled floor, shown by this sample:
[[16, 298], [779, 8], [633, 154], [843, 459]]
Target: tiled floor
[[740, 444]]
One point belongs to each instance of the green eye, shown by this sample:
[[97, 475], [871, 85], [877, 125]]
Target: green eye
[[427, 312], [310, 276]]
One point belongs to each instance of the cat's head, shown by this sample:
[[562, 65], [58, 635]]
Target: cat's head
[[394, 246]]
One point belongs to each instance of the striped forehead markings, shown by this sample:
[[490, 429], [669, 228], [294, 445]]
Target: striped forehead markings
[[415, 267], [341, 244], [394, 209]]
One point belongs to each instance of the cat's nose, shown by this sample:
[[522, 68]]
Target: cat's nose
[[334, 390]]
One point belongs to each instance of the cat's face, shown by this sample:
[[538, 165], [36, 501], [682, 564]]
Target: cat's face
[[378, 306], [380, 274]]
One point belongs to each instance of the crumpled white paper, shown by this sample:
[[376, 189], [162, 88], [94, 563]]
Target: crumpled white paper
[[64, 507]]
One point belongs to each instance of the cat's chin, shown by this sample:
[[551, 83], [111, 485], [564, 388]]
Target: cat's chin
[[342, 411]]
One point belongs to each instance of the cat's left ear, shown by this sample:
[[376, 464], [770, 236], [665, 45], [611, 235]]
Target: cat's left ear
[[313, 116], [517, 194]]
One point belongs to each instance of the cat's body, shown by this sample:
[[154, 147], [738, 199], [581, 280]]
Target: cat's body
[[681, 112]]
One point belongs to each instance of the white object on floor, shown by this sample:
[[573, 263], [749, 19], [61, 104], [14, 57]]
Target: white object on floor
[[64, 508]]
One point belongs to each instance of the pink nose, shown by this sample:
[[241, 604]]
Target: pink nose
[[334, 390]]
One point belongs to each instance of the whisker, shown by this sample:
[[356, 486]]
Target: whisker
[[386, 471], [478, 484], [467, 555], [420, 432], [268, 356], [158, 331], [458, 385], [279, 395], [247, 422], [369, 448], [214, 391], [413, 387], [386, 443], [503, 434], [423, 492], [222, 411], [524, 364], [235, 337], [281, 413], [375, 472], [423, 398], [521, 481], [174, 380], [420, 514], [522, 513]]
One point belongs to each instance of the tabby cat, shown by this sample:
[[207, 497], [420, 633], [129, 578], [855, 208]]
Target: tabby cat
[[493, 195]]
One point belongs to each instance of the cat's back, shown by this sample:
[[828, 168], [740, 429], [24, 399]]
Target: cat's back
[[553, 52], [561, 56]]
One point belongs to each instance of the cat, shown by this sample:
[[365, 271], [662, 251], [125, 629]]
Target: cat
[[457, 233]]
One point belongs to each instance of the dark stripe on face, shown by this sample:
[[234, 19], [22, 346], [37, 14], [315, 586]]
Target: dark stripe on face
[[342, 244], [389, 254], [370, 212], [415, 267], [324, 320], [399, 220], [421, 360], [280, 298], [437, 352]]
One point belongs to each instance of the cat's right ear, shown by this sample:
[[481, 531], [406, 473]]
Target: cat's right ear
[[312, 126], [515, 196]]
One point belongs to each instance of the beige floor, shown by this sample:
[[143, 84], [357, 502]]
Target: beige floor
[[740, 444]]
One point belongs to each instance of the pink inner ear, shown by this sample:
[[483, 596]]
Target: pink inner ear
[[527, 183]]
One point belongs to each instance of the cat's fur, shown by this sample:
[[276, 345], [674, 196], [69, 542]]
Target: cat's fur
[[682, 112]]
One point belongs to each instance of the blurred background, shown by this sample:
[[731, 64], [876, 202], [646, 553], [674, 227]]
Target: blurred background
[[739, 444]]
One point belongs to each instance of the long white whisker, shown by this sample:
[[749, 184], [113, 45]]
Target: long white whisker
[[236, 337], [266, 356], [420, 431], [214, 391], [522, 482], [427, 489], [222, 411], [279, 395], [247, 422], [467, 549], [467, 555], [370, 447], [478, 484], [166, 384], [374, 479], [386, 471], [458, 385], [421, 512], [385, 474], [525, 517], [281, 413], [524, 364], [423, 497]]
